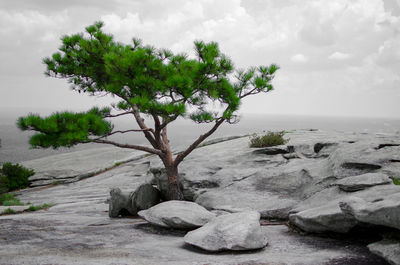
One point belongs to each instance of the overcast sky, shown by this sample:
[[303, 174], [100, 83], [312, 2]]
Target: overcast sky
[[337, 58]]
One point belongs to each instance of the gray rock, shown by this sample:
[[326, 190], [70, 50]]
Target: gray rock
[[323, 219], [73, 231], [388, 249], [237, 231], [384, 211], [146, 196], [362, 157], [177, 214], [123, 203], [15, 208], [363, 181], [75, 166]]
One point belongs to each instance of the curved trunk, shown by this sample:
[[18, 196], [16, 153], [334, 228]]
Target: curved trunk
[[174, 189]]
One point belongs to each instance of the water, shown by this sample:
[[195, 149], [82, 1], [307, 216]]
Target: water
[[15, 147]]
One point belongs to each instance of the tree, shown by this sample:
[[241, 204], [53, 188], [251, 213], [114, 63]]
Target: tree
[[147, 81]]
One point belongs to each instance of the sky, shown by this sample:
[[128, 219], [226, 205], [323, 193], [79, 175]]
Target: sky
[[337, 58]]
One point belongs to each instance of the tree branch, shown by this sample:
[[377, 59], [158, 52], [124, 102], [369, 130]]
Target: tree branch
[[126, 131], [142, 125], [201, 138], [120, 114], [129, 146]]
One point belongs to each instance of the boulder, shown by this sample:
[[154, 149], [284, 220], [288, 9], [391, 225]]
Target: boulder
[[120, 203], [323, 219], [363, 181], [236, 231], [387, 249], [123, 203], [383, 211], [177, 214], [146, 196]]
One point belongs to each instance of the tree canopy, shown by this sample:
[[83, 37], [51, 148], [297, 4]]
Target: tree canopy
[[145, 80]]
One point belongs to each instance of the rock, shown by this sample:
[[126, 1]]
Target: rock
[[274, 150], [177, 214], [362, 157], [17, 209], [144, 197], [323, 219], [363, 181], [121, 203], [75, 166], [237, 231], [315, 211], [388, 249], [383, 211]]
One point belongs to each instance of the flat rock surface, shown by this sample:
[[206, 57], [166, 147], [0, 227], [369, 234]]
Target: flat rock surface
[[77, 230], [388, 249], [20, 208], [70, 167], [363, 181]]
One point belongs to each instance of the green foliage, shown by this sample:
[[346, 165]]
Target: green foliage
[[40, 207], [3, 183], [66, 128], [396, 181], [269, 139], [8, 211], [8, 199], [146, 82], [15, 176]]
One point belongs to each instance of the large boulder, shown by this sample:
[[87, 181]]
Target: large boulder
[[323, 219], [124, 203], [363, 181], [237, 231], [388, 249], [177, 214], [384, 211]]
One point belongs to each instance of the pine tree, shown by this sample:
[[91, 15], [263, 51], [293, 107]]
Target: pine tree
[[147, 81]]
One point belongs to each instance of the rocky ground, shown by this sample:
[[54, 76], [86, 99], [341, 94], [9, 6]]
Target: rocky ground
[[326, 198]]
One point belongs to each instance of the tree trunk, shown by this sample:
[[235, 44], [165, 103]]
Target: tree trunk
[[174, 189]]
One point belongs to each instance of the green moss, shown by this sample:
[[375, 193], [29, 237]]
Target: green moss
[[8, 199], [33, 208], [8, 211], [267, 140], [396, 181]]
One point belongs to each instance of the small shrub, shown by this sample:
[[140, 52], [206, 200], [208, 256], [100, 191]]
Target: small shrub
[[396, 181], [17, 176], [33, 208], [8, 211], [8, 199], [269, 139], [3, 183]]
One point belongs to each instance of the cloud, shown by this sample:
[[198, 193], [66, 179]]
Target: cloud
[[326, 50], [339, 56], [299, 58]]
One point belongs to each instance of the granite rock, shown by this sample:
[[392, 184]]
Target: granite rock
[[236, 231]]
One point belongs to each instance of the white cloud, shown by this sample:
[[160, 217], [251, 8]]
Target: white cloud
[[351, 44], [299, 58], [339, 56]]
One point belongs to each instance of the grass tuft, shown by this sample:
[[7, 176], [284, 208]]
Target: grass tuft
[[8, 199], [267, 140], [396, 181], [33, 208], [8, 211]]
